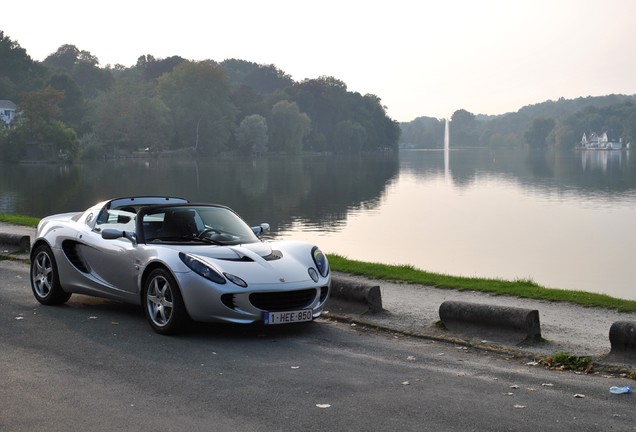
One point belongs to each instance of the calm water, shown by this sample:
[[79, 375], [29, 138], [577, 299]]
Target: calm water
[[565, 221]]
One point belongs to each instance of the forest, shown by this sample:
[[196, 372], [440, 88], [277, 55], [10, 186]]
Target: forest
[[69, 107], [552, 125]]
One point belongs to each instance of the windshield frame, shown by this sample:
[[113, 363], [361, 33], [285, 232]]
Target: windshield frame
[[236, 231]]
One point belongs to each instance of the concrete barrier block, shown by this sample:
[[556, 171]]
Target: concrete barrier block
[[354, 291], [23, 242], [491, 321], [622, 337]]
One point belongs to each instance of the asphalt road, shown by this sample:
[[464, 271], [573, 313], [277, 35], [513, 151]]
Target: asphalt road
[[96, 365]]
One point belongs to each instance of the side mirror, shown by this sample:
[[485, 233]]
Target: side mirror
[[258, 230], [113, 234]]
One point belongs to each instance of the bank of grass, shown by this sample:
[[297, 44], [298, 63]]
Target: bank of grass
[[19, 220], [518, 288]]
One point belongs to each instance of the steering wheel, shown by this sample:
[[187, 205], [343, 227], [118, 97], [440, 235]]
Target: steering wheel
[[206, 231]]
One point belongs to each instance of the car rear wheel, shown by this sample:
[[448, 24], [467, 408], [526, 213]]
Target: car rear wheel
[[163, 304], [45, 280]]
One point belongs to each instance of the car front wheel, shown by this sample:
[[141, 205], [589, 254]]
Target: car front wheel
[[163, 304], [45, 280]]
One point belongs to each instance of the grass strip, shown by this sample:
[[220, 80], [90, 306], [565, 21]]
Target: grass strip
[[523, 288], [19, 220]]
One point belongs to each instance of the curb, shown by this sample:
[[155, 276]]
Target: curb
[[497, 322], [22, 241], [352, 290], [622, 337]]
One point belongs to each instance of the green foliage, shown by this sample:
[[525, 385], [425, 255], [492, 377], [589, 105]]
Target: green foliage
[[198, 96], [537, 135], [251, 135], [288, 127], [176, 104], [130, 118], [18, 72], [91, 147], [566, 361], [72, 105], [83, 67]]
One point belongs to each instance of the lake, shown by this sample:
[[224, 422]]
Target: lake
[[563, 220]]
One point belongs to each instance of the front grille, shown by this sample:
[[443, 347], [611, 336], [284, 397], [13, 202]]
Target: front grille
[[228, 300], [283, 301], [324, 292]]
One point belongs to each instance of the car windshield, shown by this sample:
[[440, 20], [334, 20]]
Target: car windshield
[[195, 224]]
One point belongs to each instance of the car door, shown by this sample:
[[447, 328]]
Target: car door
[[112, 263]]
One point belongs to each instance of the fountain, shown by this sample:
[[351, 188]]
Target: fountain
[[446, 151], [446, 136]]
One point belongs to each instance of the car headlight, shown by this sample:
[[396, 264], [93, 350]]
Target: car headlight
[[320, 259], [201, 268]]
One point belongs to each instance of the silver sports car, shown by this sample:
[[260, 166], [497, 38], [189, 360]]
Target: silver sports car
[[180, 261]]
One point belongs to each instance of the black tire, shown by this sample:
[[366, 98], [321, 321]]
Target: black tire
[[45, 279], [163, 304]]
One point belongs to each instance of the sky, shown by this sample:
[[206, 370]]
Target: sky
[[420, 57]]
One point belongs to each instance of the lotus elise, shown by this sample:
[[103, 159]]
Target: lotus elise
[[180, 261]]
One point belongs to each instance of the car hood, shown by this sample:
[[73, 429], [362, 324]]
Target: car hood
[[257, 263]]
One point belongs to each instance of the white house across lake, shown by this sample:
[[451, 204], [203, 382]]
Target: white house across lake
[[7, 112]]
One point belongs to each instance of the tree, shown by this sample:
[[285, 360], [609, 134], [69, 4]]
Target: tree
[[131, 117], [38, 132], [18, 72], [83, 67], [72, 105], [537, 135], [64, 58], [288, 127], [152, 68], [349, 137], [198, 96], [41, 106], [251, 135], [463, 130]]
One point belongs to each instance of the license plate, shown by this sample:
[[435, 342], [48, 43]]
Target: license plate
[[288, 317]]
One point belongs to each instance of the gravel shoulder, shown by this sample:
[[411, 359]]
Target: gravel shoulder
[[565, 327]]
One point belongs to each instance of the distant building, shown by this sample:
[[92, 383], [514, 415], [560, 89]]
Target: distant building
[[7, 112]]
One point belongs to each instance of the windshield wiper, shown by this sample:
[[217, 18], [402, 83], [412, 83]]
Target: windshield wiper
[[186, 238]]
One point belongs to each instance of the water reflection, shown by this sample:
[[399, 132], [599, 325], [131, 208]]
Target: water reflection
[[314, 190], [602, 160]]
